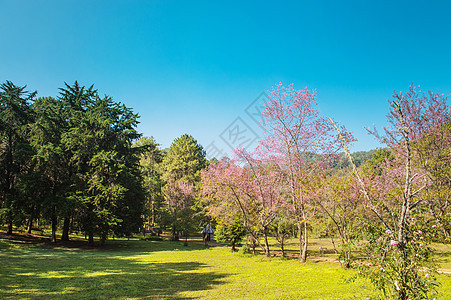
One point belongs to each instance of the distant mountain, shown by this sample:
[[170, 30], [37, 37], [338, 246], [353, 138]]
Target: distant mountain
[[359, 158]]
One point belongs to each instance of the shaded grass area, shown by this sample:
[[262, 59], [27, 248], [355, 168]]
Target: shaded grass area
[[166, 270], [442, 256], [115, 271]]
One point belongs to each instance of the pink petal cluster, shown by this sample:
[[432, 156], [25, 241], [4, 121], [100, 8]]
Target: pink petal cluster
[[393, 243]]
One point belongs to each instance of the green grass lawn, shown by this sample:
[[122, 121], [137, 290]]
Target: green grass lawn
[[162, 269]]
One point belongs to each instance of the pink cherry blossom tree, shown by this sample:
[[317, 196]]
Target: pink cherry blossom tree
[[179, 196], [428, 117], [303, 142], [341, 205], [246, 186], [396, 241]]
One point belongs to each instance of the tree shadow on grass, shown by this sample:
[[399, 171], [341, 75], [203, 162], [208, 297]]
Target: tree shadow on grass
[[121, 245], [34, 272], [442, 258]]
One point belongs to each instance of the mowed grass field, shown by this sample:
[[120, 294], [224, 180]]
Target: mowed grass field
[[168, 270]]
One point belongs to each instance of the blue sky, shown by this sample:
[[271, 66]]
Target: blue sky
[[194, 66]]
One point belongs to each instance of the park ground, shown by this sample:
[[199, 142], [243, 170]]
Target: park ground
[[32, 268]]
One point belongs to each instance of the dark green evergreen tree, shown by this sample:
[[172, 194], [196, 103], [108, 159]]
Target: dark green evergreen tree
[[182, 167], [15, 149], [50, 173], [107, 179], [151, 170]]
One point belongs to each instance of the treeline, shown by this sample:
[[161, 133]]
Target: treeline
[[76, 164], [69, 161]]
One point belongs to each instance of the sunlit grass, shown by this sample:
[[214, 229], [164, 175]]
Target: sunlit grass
[[162, 269]]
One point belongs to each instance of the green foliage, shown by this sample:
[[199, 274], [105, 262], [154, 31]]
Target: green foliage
[[373, 165], [185, 160], [107, 174], [50, 170], [283, 228], [151, 238], [182, 167], [399, 271], [150, 163], [15, 150], [69, 158], [360, 158], [432, 151], [230, 234]]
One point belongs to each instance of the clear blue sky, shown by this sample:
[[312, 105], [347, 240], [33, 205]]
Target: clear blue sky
[[194, 66]]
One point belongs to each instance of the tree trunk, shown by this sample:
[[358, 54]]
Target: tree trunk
[[304, 249], [174, 234], [103, 239], [282, 241], [10, 226], [265, 237], [66, 226], [300, 240], [153, 211], [29, 224], [54, 224], [303, 241], [91, 238]]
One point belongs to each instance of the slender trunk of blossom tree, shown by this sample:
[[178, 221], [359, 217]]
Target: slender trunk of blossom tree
[[303, 258], [407, 196], [265, 238], [282, 244], [303, 240]]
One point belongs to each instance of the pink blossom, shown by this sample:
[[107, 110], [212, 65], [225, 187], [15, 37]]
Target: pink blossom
[[427, 276], [393, 243], [388, 231], [434, 226]]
